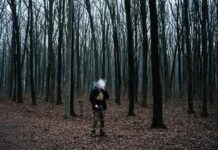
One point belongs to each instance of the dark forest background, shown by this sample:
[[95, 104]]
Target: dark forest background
[[56, 49]]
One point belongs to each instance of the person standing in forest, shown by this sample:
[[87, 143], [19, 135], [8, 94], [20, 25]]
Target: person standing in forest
[[98, 96]]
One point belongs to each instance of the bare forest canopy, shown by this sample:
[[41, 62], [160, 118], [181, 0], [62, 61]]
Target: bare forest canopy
[[56, 49]]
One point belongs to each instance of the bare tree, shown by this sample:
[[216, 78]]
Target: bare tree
[[189, 57], [88, 7], [16, 32], [51, 57], [31, 54], [131, 70], [145, 53], [111, 7], [71, 104], [61, 18], [157, 121], [204, 53]]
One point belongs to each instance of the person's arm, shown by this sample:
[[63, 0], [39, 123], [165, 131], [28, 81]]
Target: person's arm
[[93, 98], [106, 95]]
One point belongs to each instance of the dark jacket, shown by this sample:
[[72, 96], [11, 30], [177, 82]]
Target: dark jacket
[[98, 97]]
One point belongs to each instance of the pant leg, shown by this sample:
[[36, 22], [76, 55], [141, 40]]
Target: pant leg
[[95, 116], [102, 120]]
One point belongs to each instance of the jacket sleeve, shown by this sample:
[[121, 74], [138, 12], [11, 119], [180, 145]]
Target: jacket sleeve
[[106, 95], [92, 97]]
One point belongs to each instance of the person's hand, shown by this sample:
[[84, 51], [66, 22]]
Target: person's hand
[[96, 106], [102, 89]]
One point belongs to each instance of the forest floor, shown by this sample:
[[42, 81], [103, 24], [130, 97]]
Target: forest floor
[[26, 127]]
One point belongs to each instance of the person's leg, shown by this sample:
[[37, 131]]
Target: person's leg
[[102, 123], [94, 122]]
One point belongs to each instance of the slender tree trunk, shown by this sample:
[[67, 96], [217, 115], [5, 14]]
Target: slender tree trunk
[[157, 121], [14, 72], [117, 71], [204, 53], [189, 58], [103, 21], [78, 58], [164, 50], [35, 54], [179, 51], [217, 44], [131, 70], [211, 59], [51, 61], [88, 7], [18, 48], [145, 53], [44, 50], [11, 68], [2, 66], [31, 54], [136, 57], [60, 39], [72, 112]]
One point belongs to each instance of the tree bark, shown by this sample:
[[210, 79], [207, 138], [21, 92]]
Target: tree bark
[[145, 53], [116, 52], [51, 58], [13, 6], [78, 58], [157, 121], [71, 111], [131, 70], [189, 57], [31, 54], [88, 7], [61, 17], [204, 53]]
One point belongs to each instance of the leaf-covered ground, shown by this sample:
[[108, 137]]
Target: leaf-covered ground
[[23, 126]]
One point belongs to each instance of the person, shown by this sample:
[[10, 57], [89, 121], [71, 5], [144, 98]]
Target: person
[[98, 96]]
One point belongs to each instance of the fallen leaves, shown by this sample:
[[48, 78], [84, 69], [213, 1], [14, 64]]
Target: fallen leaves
[[44, 127]]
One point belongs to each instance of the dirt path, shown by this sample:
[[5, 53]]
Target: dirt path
[[44, 127]]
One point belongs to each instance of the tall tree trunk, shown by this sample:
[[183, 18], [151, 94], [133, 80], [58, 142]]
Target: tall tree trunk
[[131, 70], [11, 68], [157, 121], [61, 17], [31, 54], [189, 57], [51, 57], [2, 66], [103, 21], [13, 6], [14, 67], [78, 58], [44, 50], [164, 50], [117, 71], [35, 48], [217, 43], [145, 53], [204, 53], [137, 53], [88, 7], [196, 49], [179, 50], [71, 111], [211, 58]]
